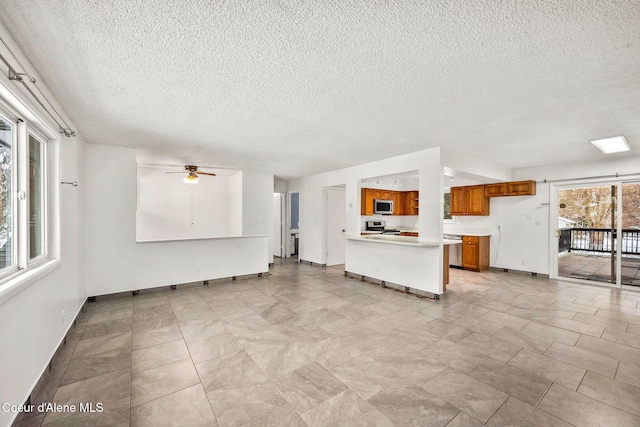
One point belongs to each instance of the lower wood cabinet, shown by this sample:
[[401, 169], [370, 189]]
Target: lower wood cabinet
[[475, 253]]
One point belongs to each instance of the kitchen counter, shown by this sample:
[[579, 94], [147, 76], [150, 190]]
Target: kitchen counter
[[398, 259], [401, 240]]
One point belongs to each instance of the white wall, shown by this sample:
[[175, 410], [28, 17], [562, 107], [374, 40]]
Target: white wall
[[312, 210], [257, 206], [116, 263], [170, 209], [31, 326]]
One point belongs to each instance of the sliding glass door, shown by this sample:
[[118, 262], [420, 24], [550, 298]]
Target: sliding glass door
[[599, 233], [630, 237]]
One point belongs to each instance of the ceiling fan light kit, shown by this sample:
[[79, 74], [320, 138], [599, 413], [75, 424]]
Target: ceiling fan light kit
[[192, 178], [192, 174]]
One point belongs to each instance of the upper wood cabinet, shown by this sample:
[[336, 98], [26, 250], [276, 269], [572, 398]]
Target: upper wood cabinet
[[469, 200], [366, 201], [411, 202], [517, 188], [404, 202]]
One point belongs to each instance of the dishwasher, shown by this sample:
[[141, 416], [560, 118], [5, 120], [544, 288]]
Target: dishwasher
[[455, 251]]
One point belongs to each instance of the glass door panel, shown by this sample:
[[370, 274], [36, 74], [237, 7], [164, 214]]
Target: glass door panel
[[586, 231], [630, 222]]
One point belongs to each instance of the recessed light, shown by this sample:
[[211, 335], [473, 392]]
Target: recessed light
[[615, 144]]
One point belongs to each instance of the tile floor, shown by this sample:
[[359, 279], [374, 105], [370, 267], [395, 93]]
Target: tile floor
[[307, 346], [597, 267]]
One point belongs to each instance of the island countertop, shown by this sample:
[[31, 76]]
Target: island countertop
[[401, 240]]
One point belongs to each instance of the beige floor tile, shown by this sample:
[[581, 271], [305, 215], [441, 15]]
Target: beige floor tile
[[114, 414], [610, 349], [576, 326], [554, 370], [365, 376], [104, 343], [512, 380], [557, 334], [154, 383], [476, 324], [523, 339], [609, 324], [106, 389], [93, 366], [152, 337], [517, 413], [107, 328], [455, 355], [493, 347], [345, 409], [628, 373], [619, 394], [630, 340], [448, 331], [283, 416], [466, 393], [236, 406], [308, 386], [282, 359], [464, 420], [212, 347], [505, 320], [187, 407], [583, 358], [159, 355], [580, 410], [234, 370], [406, 404]]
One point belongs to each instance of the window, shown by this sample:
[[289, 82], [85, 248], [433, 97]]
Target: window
[[23, 222], [447, 206]]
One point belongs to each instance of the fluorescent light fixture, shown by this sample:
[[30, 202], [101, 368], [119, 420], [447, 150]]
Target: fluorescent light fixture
[[615, 144]]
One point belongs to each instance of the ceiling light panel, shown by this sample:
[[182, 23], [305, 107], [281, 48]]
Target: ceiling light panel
[[615, 144]]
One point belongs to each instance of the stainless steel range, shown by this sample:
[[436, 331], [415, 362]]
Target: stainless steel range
[[381, 226]]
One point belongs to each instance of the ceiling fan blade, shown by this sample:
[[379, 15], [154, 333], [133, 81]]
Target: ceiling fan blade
[[206, 173], [176, 172]]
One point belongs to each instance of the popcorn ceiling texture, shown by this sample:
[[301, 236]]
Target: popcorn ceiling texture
[[296, 88]]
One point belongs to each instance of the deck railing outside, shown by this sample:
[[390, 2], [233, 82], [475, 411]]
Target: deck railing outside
[[598, 240]]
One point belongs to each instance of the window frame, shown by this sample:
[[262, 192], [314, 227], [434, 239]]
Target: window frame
[[20, 196], [44, 208]]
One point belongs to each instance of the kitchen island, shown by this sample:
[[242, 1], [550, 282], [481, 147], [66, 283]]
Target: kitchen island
[[401, 260]]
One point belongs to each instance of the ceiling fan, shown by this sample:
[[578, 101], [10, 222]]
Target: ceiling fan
[[192, 174]]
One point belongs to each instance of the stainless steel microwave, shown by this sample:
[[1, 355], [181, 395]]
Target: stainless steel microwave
[[384, 207]]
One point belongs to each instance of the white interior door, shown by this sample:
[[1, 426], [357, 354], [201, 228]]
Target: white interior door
[[335, 225]]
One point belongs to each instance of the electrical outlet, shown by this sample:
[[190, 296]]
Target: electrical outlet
[[523, 263], [539, 223], [64, 316]]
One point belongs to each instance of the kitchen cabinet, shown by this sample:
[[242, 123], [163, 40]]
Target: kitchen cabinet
[[366, 201], [411, 202], [470, 200], [516, 188], [475, 253], [398, 200]]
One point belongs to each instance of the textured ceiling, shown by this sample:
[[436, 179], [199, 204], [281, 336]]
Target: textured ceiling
[[296, 87]]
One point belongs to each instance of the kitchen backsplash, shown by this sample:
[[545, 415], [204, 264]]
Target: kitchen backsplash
[[391, 220]]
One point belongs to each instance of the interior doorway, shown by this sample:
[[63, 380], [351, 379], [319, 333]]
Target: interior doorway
[[598, 234], [335, 225], [293, 225]]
